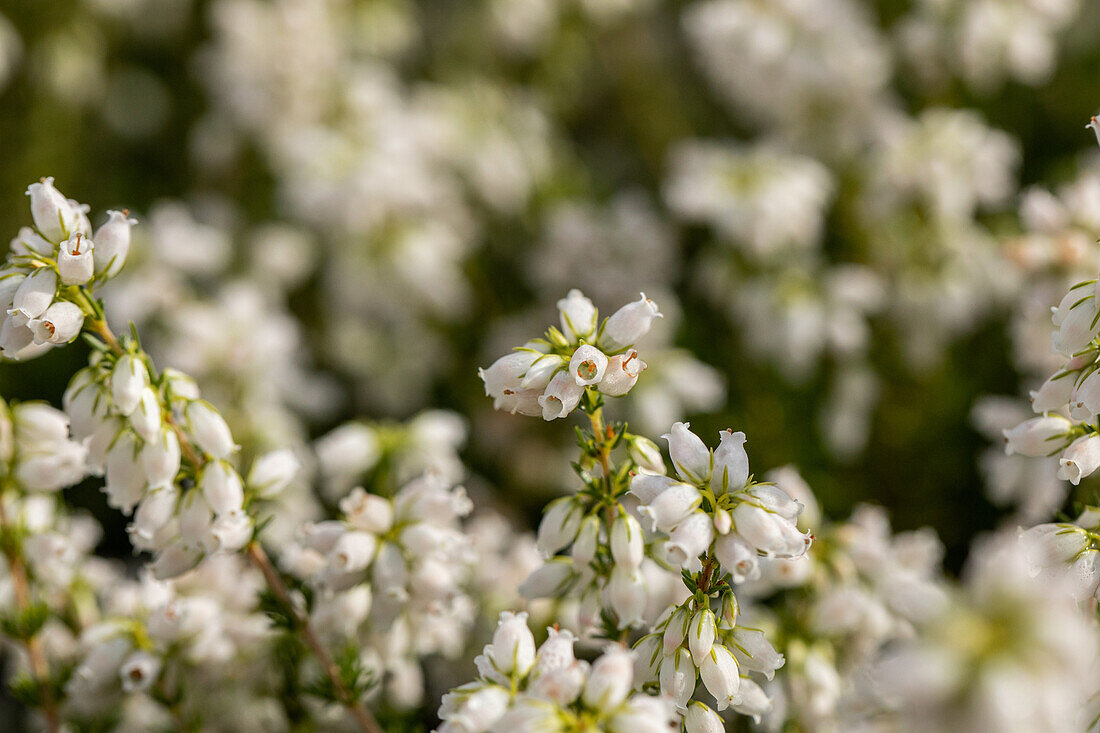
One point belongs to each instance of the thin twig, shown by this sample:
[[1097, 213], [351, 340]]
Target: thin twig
[[260, 560]]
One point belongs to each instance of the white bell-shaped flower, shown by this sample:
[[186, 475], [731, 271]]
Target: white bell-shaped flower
[[689, 453], [74, 260], [721, 677], [629, 324], [578, 315], [112, 243], [53, 215]]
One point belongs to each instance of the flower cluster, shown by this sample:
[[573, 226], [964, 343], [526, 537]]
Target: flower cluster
[[524, 688], [391, 576], [548, 376], [1069, 401], [1009, 653], [697, 642], [41, 305], [166, 452], [714, 505]]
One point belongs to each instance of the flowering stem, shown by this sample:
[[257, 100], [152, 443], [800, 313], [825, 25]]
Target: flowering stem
[[98, 325], [260, 560], [39, 665]]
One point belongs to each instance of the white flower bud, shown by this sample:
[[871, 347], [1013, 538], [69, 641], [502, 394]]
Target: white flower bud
[[160, 458], [125, 477], [53, 215], [646, 455], [232, 530], [1080, 459], [389, 572], [671, 506], [539, 374], [146, 418], [222, 488], [560, 685], [209, 429], [74, 260], [367, 511], [720, 676], [112, 243], [61, 466], [627, 542], [555, 653], [1077, 328], [1039, 436], [101, 441], [768, 532], [626, 595], [755, 703], [584, 547], [155, 510], [647, 658], [549, 581], [755, 653], [1084, 576], [561, 396], [353, 551], [513, 647], [775, 499], [83, 403], [28, 241], [473, 707], [621, 374], [195, 519], [588, 365], [737, 557], [271, 472], [16, 341], [10, 281], [675, 630], [677, 677], [179, 385], [731, 463], [37, 422], [644, 714], [578, 315], [502, 378], [60, 324], [1085, 399], [723, 522], [700, 635], [139, 672], [34, 295], [648, 487], [690, 539], [560, 524], [128, 381], [629, 324], [1055, 393], [175, 561], [321, 536], [701, 719], [1048, 545], [689, 454], [610, 680]]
